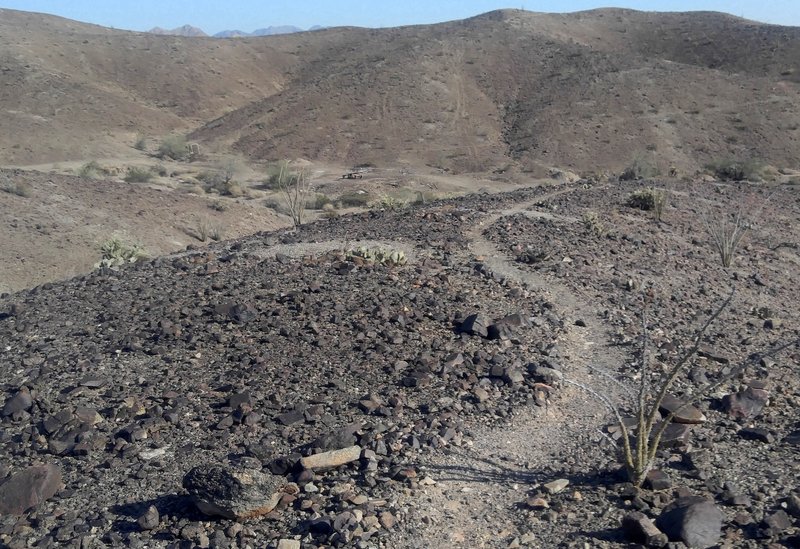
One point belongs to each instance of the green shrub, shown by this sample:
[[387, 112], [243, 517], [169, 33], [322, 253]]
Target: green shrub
[[330, 211], [141, 143], [92, 169], [736, 170], [639, 168], [319, 202], [649, 200], [279, 206], [115, 252], [207, 229], [390, 203], [138, 175], [379, 255], [592, 223], [174, 147], [354, 199]]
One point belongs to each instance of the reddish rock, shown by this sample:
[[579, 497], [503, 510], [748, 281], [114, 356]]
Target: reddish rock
[[28, 488]]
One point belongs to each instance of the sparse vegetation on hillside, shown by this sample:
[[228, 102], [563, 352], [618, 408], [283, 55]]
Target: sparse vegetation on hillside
[[115, 252], [726, 230], [17, 187], [295, 187], [354, 199], [141, 143], [650, 199], [92, 169], [593, 224], [640, 443], [379, 255], [174, 147], [137, 174], [640, 167], [736, 170], [207, 229]]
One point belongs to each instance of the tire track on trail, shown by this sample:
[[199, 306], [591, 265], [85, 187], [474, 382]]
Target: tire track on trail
[[478, 487]]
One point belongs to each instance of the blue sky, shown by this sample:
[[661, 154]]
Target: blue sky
[[216, 15]]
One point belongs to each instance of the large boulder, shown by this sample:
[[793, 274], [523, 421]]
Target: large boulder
[[694, 520], [27, 489], [233, 493]]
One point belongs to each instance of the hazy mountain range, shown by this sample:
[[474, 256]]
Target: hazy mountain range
[[189, 30]]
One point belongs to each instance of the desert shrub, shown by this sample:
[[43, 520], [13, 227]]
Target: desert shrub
[[138, 175], [320, 201], [726, 231], [196, 189], [639, 168], [593, 224], [650, 199], [217, 182], [330, 211], [354, 199], [736, 170], [115, 252], [160, 170], [207, 229], [641, 441], [391, 203], [18, 187], [92, 169], [379, 255], [295, 188], [174, 147], [276, 204], [233, 189], [141, 143]]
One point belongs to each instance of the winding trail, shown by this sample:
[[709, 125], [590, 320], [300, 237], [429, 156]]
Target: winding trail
[[479, 488]]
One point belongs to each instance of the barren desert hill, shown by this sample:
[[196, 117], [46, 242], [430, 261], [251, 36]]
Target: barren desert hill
[[584, 91], [73, 91]]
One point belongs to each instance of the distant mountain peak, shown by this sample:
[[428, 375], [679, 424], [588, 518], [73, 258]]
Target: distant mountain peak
[[185, 30], [267, 31]]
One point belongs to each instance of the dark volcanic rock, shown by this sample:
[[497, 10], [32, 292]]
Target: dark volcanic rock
[[21, 401], [149, 519], [27, 489], [684, 413], [507, 327], [476, 324], [745, 404], [641, 529], [693, 520], [233, 494]]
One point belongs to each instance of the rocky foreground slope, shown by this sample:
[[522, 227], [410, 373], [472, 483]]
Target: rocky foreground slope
[[312, 398]]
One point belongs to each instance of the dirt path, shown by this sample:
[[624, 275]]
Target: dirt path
[[476, 500], [479, 489]]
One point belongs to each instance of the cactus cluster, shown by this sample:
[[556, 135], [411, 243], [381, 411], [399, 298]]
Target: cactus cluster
[[380, 255], [115, 252]]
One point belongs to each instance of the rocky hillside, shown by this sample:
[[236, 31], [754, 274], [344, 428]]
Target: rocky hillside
[[288, 390], [588, 91]]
